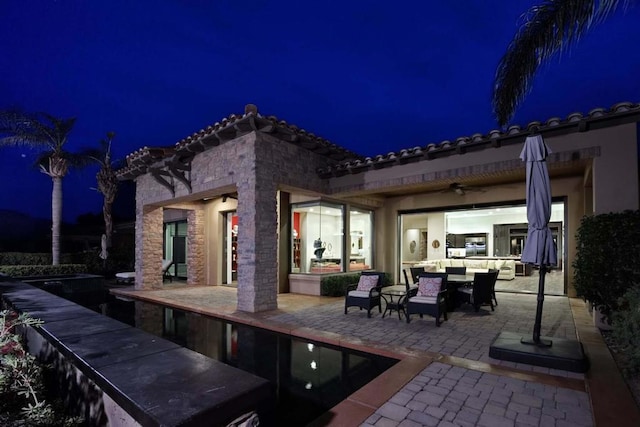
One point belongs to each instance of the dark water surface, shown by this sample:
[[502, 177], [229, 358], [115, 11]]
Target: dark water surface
[[308, 378]]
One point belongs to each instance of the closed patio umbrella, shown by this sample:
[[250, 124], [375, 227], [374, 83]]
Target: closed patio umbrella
[[540, 249], [103, 248]]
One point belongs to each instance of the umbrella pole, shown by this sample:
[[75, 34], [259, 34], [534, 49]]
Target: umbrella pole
[[538, 323]]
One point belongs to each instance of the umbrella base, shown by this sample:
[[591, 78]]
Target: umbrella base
[[563, 354]]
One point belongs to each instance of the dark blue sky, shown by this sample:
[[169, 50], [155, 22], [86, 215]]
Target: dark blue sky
[[368, 75]]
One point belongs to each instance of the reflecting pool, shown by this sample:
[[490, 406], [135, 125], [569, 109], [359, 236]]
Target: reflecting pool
[[308, 378]]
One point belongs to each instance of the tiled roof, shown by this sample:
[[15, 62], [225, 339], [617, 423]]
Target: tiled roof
[[348, 162], [227, 129], [574, 122]]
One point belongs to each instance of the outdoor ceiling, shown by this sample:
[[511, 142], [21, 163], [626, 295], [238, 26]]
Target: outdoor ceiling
[[556, 170]]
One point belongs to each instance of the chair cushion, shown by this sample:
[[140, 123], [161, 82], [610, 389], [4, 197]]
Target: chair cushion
[[362, 294], [424, 300], [366, 282], [429, 286]]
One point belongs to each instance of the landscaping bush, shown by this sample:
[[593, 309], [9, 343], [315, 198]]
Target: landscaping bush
[[626, 328], [23, 393], [606, 263], [28, 258], [120, 259], [336, 285], [18, 271]]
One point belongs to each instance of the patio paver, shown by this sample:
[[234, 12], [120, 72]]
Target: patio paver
[[446, 376]]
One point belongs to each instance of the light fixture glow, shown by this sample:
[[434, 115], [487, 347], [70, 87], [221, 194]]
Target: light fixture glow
[[314, 365], [310, 347], [308, 386]]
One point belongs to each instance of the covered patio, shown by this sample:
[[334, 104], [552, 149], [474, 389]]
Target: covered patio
[[445, 374]]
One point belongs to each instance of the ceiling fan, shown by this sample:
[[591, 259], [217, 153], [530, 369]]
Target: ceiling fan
[[462, 189]]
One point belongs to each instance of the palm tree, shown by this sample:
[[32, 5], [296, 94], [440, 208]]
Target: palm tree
[[548, 29], [107, 180], [42, 130]]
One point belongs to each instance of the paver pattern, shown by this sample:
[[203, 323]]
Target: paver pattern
[[443, 394]]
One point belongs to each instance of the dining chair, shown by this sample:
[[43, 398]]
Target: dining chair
[[429, 297], [406, 277], [495, 272], [456, 270], [366, 293], [415, 273], [480, 293]]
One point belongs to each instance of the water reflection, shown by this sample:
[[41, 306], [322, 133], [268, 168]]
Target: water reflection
[[307, 378]]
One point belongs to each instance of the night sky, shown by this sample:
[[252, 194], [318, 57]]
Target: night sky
[[370, 76]]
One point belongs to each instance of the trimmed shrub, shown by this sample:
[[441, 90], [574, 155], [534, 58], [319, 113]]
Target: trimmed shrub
[[606, 264], [28, 258], [335, 285], [626, 328], [18, 271], [120, 259]]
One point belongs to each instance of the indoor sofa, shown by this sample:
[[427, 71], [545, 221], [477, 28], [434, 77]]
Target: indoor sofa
[[507, 267]]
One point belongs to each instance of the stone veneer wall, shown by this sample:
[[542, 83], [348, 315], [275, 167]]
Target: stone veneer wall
[[148, 247], [255, 165], [195, 245]]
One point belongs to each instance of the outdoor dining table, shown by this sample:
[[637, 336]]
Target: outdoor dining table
[[388, 293], [455, 281]]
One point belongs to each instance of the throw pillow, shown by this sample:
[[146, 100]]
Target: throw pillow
[[366, 282], [429, 286]]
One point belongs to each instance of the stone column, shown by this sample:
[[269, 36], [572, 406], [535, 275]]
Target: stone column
[[285, 243], [149, 248], [195, 246], [257, 243]]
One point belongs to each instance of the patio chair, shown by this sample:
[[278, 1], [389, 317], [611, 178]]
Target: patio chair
[[166, 275], [456, 270], [480, 293], [406, 277], [415, 273], [496, 272], [430, 297], [366, 293]]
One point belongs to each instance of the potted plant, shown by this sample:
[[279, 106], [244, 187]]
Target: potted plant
[[606, 263]]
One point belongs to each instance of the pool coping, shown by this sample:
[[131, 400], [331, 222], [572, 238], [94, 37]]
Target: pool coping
[[360, 405], [148, 396]]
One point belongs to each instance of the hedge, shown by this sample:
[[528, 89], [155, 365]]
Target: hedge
[[42, 270], [28, 258], [336, 285]]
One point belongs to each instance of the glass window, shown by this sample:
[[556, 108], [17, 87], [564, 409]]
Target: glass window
[[360, 233], [317, 238]]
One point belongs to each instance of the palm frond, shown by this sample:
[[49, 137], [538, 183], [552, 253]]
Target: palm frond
[[548, 29], [77, 160], [34, 129], [17, 129]]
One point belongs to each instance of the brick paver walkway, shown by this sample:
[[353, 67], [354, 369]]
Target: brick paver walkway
[[462, 386]]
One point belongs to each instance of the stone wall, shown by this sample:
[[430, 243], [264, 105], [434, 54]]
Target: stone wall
[[255, 165]]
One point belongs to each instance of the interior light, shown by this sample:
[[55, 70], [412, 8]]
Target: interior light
[[314, 365], [310, 347], [308, 386]]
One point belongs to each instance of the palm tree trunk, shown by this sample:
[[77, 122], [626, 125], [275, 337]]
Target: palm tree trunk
[[56, 219], [108, 220]]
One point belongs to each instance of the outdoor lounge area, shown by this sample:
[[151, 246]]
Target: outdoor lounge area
[[479, 390]]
